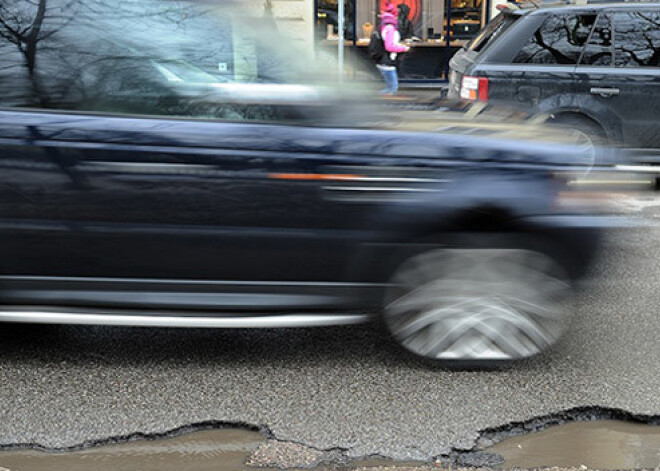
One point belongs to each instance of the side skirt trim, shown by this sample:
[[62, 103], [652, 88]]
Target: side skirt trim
[[134, 319]]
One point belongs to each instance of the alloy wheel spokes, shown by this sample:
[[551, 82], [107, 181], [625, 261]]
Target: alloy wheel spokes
[[482, 304]]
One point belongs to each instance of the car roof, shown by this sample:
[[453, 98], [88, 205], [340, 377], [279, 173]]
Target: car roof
[[559, 7]]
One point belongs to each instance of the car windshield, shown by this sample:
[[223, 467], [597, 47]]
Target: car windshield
[[155, 57], [189, 42]]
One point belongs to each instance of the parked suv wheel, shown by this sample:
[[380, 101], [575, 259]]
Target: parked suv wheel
[[477, 305], [585, 132]]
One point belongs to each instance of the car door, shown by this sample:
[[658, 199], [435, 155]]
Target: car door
[[637, 76], [136, 177], [618, 79], [93, 197], [596, 81]]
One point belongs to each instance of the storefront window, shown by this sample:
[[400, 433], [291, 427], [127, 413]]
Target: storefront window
[[435, 30], [327, 20]]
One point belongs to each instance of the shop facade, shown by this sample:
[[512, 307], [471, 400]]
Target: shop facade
[[435, 30]]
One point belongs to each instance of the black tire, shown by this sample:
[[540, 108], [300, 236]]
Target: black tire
[[485, 305]]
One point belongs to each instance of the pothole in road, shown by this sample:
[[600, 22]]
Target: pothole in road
[[574, 441], [602, 444], [214, 449], [217, 449]]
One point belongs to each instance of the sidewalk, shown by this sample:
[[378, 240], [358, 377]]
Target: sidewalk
[[416, 97], [423, 92]]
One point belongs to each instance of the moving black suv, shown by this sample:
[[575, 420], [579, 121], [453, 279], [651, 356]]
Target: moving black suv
[[592, 67], [162, 165]]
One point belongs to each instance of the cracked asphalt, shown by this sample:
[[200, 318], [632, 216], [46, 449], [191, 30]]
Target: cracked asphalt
[[335, 388]]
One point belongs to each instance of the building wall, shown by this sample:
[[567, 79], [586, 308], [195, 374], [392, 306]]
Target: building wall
[[295, 19]]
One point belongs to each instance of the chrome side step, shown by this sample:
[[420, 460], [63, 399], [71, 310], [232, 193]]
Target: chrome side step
[[43, 315], [639, 168]]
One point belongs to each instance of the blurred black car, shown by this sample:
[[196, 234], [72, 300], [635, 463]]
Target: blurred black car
[[175, 169], [592, 67]]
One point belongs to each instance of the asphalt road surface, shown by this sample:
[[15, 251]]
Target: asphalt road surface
[[336, 387]]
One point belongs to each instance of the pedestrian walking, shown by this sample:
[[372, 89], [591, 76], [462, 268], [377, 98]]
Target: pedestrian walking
[[393, 48]]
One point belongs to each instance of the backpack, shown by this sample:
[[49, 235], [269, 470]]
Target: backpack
[[376, 47]]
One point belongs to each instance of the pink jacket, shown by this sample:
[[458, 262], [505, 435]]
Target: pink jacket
[[391, 38]]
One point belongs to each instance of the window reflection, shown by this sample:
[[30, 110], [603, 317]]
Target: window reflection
[[141, 57], [558, 41], [598, 51], [637, 38]]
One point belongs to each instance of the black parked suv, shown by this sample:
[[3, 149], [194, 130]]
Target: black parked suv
[[594, 67]]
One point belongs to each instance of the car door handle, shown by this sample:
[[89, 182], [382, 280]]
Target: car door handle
[[604, 92]]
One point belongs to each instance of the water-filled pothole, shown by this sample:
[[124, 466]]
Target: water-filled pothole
[[602, 444], [223, 449], [217, 450]]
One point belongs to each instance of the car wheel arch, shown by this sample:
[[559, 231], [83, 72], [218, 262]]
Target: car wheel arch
[[609, 125], [579, 115], [466, 226]]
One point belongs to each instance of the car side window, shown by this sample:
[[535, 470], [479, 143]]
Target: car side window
[[139, 57], [598, 51], [637, 39], [559, 40]]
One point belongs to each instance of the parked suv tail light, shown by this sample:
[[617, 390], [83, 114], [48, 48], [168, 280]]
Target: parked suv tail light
[[474, 88]]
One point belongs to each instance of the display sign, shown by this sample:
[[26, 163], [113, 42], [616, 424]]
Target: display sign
[[415, 15]]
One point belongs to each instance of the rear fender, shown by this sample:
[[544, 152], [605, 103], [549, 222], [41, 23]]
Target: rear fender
[[567, 102], [585, 106]]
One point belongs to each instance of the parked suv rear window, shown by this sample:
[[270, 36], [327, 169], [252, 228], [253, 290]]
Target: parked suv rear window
[[559, 40], [497, 26], [598, 51], [637, 39]]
